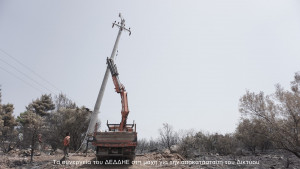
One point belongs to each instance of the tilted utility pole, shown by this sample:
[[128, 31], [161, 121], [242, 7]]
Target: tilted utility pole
[[94, 117]]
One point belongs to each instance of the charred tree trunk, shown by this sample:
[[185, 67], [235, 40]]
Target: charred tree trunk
[[33, 140]]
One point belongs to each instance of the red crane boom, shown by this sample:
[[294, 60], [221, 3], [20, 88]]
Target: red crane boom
[[120, 88]]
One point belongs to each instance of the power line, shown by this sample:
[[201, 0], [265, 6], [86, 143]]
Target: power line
[[21, 79], [27, 76], [32, 71]]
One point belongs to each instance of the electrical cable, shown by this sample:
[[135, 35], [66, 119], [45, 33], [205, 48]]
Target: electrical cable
[[20, 79], [28, 68], [27, 76], [85, 137], [32, 71]]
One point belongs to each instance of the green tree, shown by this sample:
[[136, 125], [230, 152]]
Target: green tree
[[63, 102], [41, 118], [78, 125], [7, 116], [32, 121], [67, 118], [31, 125], [74, 121], [42, 105], [7, 129]]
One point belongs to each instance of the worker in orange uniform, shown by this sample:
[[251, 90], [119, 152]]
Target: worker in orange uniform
[[67, 144]]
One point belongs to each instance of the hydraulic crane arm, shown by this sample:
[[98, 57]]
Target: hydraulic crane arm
[[120, 88]]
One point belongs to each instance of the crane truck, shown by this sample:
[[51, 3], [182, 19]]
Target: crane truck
[[120, 141]]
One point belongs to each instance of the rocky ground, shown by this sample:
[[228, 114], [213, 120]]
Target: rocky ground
[[45, 160]]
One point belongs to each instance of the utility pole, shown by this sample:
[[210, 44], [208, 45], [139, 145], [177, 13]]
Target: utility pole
[[94, 117]]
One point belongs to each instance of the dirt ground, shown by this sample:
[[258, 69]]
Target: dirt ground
[[151, 160]]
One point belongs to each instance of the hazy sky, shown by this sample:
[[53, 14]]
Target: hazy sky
[[187, 63]]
